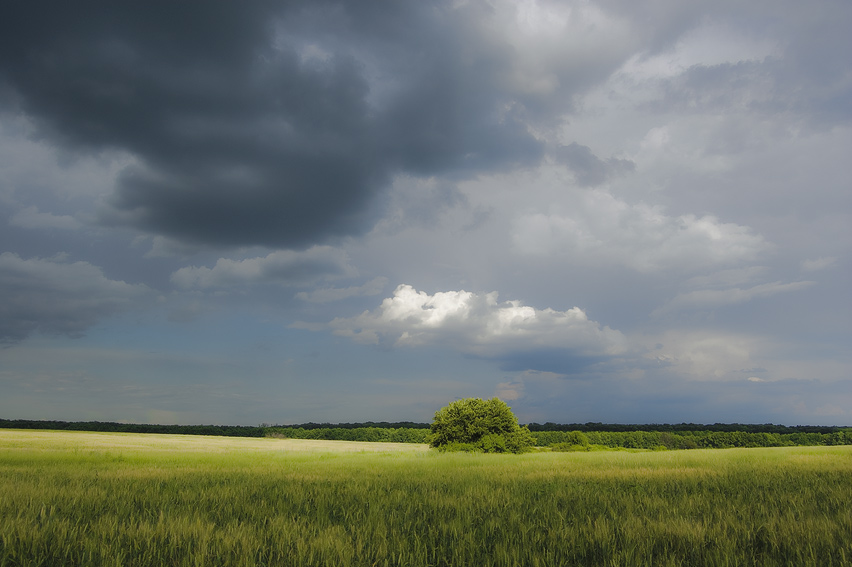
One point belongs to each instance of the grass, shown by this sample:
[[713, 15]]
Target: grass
[[70, 498]]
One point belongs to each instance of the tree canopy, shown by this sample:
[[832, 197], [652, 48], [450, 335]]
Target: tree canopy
[[474, 424]]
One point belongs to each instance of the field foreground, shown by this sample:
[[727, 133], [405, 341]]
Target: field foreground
[[72, 498]]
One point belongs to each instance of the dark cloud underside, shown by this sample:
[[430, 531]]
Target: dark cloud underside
[[57, 298], [255, 123]]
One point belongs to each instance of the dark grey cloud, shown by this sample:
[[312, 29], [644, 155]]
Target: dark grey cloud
[[589, 169], [262, 123], [56, 297], [238, 142]]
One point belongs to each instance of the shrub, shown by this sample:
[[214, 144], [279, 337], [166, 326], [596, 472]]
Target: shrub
[[475, 424], [520, 440], [577, 438]]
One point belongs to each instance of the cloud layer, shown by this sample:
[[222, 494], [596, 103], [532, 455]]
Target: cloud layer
[[54, 297], [605, 229], [284, 267]]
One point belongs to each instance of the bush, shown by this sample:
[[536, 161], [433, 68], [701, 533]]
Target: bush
[[577, 438], [520, 440], [474, 424]]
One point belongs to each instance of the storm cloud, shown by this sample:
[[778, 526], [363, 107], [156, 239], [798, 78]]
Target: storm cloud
[[269, 123]]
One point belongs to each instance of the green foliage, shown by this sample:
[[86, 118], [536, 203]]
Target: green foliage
[[519, 440], [577, 438], [263, 430], [370, 434], [703, 439], [474, 424], [217, 430], [686, 427]]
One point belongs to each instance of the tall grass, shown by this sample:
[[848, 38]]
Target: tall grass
[[131, 500]]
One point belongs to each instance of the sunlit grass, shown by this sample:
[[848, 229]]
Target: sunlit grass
[[125, 499]]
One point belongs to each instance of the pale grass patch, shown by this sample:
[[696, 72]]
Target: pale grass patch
[[38, 440]]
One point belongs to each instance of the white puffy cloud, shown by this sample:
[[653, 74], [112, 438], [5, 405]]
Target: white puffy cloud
[[479, 325], [603, 228], [56, 297], [283, 267]]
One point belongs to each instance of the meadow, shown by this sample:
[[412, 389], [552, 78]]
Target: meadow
[[82, 498]]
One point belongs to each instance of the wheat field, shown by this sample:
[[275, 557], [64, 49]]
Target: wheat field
[[78, 498]]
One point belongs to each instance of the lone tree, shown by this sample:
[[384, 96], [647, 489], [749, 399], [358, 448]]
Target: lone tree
[[474, 424]]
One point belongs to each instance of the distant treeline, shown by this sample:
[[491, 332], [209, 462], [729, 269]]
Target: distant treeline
[[364, 425], [570, 436], [373, 434], [218, 430], [706, 439], [683, 427]]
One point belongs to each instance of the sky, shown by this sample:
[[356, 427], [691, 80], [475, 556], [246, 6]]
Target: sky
[[328, 211]]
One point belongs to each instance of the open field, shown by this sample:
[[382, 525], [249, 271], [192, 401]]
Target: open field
[[71, 498], [164, 444]]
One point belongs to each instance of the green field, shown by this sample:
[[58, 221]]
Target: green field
[[73, 498]]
